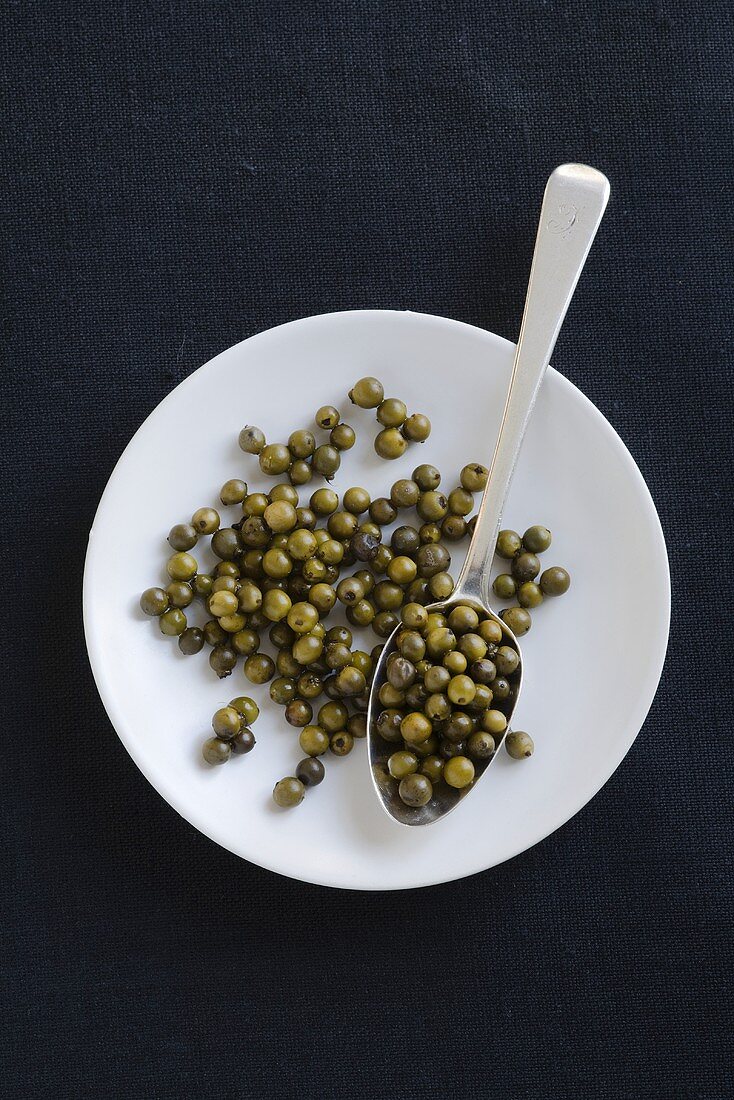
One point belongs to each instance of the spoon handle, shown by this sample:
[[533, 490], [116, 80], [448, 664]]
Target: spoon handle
[[573, 204]]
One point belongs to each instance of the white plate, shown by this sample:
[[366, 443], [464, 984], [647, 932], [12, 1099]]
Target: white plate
[[592, 660]]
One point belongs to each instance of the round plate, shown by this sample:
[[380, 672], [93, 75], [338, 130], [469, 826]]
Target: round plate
[[592, 660]]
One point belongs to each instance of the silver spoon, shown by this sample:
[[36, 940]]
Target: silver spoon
[[573, 204]]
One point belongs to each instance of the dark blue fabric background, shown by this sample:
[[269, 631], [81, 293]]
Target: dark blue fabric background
[[176, 177]]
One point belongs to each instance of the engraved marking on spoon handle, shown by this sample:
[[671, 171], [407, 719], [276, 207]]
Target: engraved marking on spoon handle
[[573, 204]]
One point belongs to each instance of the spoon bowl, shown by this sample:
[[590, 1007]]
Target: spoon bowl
[[445, 798], [573, 205]]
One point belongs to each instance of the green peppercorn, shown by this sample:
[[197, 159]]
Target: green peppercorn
[[222, 603], [483, 671], [361, 613], [501, 688], [172, 622], [416, 727], [494, 722], [506, 659], [324, 501], [233, 491], [227, 574], [191, 641], [432, 766], [491, 631], [455, 662], [333, 717], [529, 594], [509, 543], [404, 493], [390, 443], [474, 477], [306, 518], [382, 511], [283, 690], [411, 645], [437, 678], [537, 539], [314, 741], [458, 772], [429, 534], [288, 792], [216, 751], [323, 597], [414, 616], [302, 443], [356, 500], [417, 428], [504, 586], [387, 595], [461, 690], [202, 584], [154, 601], [181, 567], [302, 544], [357, 725], [432, 559], [342, 525], [298, 712], [415, 790], [243, 742], [280, 516], [460, 502], [382, 559], [341, 743], [453, 528], [481, 745], [342, 437], [402, 763], [284, 491], [402, 570], [432, 506], [275, 459], [259, 668], [437, 707], [310, 685], [251, 440], [326, 461], [525, 567], [388, 725], [247, 707], [426, 477], [517, 619], [554, 581], [300, 473], [205, 520], [391, 412], [308, 649], [183, 536], [384, 623], [226, 722], [227, 542], [223, 659], [405, 540], [367, 393], [310, 772], [441, 585], [255, 504], [327, 417], [439, 642], [519, 744]]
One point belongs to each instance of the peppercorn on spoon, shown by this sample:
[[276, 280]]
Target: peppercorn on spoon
[[573, 205]]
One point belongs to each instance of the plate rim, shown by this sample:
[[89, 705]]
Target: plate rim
[[160, 785]]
